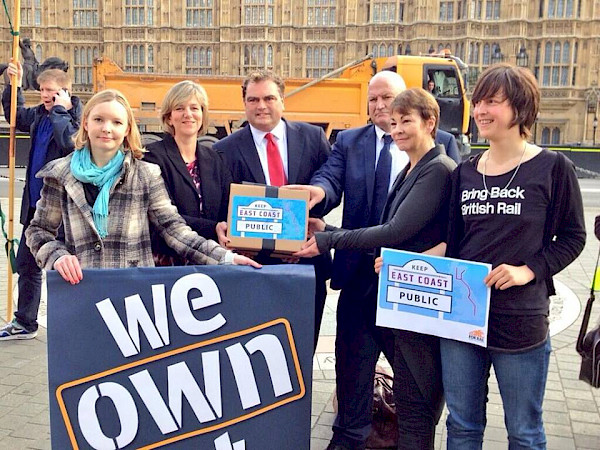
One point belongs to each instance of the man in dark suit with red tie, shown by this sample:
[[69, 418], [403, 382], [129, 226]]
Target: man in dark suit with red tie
[[271, 150]]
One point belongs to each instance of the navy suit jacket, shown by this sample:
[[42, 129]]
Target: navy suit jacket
[[449, 143], [307, 149], [350, 170]]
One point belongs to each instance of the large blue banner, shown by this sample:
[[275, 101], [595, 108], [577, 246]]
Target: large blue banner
[[203, 357]]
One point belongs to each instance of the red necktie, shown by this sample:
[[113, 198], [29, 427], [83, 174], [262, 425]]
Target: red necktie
[[276, 173]]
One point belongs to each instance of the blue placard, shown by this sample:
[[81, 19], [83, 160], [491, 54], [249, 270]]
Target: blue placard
[[181, 357], [433, 295], [268, 218]]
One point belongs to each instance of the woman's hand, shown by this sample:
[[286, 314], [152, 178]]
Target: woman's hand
[[241, 260], [309, 249], [221, 230], [315, 225], [378, 264], [68, 267], [505, 276]]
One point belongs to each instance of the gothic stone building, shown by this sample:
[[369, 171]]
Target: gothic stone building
[[559, 40]]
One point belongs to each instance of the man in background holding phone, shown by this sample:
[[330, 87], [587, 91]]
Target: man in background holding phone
[[51, 126]]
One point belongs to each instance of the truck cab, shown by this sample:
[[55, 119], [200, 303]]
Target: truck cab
[[442, 73]]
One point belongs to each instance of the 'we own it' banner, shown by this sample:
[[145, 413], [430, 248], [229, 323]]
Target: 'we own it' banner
[[205, 357]]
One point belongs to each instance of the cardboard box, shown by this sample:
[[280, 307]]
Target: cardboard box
[[267, 219]]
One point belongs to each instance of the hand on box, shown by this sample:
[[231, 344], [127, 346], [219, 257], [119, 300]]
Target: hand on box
[[315, 225], [221, 230], [317, 194], [309, 249]]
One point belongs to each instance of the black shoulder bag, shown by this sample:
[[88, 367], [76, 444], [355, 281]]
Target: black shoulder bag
[[588, 343]]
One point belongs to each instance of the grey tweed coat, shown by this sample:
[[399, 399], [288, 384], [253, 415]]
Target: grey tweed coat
[[137, 198]]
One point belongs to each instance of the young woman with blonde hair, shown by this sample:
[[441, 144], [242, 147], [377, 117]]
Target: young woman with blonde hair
[[106, 198]]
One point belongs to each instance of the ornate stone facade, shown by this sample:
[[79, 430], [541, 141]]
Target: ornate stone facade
[[558, 39]]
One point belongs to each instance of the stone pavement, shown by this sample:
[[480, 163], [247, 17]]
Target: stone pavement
[[571, 408]]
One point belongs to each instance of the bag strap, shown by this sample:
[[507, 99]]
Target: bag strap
[[588, 311]]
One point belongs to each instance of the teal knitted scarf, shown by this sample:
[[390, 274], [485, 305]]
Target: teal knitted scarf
[[84, 170]]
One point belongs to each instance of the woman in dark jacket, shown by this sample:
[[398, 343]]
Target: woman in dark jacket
[[197, 180], [414, 219]]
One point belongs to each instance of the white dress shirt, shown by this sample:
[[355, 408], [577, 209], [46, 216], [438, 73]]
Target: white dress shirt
[[260, 141], [399, 157]]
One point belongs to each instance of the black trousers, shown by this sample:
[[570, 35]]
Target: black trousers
[[30, 287], [359, 344], [418, 390]]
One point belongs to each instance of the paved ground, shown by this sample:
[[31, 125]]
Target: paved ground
[[571, 408]]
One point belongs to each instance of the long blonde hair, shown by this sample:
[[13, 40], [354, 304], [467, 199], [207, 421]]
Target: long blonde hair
[[132, 141]]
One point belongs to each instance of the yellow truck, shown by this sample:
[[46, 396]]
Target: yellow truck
[[335, 102]]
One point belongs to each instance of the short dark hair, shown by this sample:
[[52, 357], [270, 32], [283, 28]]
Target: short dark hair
[[420, 101], [263, 75], [518, 86]]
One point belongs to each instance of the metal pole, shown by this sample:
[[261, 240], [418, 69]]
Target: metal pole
[[11, 160], [327, 75]]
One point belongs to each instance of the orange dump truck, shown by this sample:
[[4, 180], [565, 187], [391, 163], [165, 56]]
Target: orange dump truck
[[336, 102]]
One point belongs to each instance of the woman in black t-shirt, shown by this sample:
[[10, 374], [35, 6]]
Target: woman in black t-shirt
[[519, 208]]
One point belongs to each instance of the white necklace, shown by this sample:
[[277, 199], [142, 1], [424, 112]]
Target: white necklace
[[513, 175]]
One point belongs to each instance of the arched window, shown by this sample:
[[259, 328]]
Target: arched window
[[375, 51], [486, 54], [254, 55], [198, 60], [246, 56], [269, 56], [390, 51], [556, 136], [548, 53], [382, 50], [83, 60], [551, 8], [566, 53], [546, 136], [569, 9], [557, 48]]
